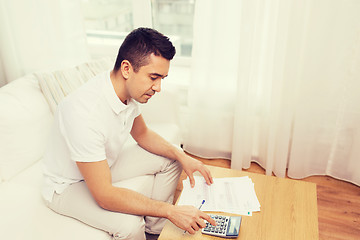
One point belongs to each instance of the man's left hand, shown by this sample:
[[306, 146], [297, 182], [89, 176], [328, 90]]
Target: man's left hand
[[191, 165]]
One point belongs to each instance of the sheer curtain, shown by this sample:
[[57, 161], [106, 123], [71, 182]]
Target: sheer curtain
[[277, 82], [40, 34]]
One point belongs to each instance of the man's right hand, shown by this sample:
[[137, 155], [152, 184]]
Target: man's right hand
[[189, 218]]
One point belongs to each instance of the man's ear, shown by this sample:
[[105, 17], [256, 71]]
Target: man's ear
[[125, 68]]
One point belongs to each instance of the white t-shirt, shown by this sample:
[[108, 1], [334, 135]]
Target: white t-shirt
[[91, 124]]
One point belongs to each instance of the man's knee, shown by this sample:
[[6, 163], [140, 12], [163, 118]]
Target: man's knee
[[174, 166], [133, 229], [178, 168]]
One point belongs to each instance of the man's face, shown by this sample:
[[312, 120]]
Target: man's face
[[142, 85]]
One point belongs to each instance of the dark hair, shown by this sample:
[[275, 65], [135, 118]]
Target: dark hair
[[138, 46]]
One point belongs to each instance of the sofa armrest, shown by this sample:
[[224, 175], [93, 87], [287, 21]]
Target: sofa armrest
[[25, 121]]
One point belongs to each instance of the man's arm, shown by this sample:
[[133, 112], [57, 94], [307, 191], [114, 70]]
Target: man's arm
[[154, 143], [97, 176]]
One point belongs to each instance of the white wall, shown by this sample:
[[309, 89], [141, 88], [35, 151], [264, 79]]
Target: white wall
[[2, 74]]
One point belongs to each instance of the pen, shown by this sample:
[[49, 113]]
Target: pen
[[202, 203]]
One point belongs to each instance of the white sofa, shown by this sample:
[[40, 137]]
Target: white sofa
[[25, 120]]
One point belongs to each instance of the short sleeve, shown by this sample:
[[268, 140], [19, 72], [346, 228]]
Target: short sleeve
[[83, 136]]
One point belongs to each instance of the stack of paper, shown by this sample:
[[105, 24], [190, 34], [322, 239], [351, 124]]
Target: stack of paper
[[232, 195]]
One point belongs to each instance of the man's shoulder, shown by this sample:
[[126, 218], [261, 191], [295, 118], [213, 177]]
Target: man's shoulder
[[85, 98]]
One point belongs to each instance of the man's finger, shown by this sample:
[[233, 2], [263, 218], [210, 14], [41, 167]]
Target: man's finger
[[190, 230], [201, 223], [195, 226], [207, 176], [192, 180], [209, 219], [211, 178]]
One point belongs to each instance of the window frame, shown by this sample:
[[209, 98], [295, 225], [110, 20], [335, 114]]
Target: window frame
[[100, 44]]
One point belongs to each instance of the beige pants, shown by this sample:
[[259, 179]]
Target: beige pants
[[77, 202]]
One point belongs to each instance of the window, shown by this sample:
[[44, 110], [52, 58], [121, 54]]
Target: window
[[174, 18], [107, 22], [107, 15]]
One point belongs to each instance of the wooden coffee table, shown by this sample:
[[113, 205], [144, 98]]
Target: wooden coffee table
[[288, 210]]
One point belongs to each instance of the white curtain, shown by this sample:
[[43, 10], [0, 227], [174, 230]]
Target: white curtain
[[277, 82], [40, 34]]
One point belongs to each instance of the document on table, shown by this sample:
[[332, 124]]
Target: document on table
[[232, 195]]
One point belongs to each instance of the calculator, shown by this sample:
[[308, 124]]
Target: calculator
[[226, 226]]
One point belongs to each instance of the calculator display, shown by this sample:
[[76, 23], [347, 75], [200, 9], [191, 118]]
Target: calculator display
[[234, 225]]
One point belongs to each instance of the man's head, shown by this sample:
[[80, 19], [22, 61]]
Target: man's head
[[143, 61], [140, 44]]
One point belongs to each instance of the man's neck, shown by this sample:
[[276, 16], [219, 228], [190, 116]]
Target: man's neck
[[118, 83]]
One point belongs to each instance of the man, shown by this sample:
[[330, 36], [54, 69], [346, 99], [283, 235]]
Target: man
[[86, 172]]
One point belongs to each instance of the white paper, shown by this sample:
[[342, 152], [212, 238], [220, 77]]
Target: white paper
[[233, 195]]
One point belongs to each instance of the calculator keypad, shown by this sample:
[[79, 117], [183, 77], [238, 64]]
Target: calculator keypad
[[220, 228]]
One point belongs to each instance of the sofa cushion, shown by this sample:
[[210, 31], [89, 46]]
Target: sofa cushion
[[25, 216], [25, 121], [31, 176], [57, 84]]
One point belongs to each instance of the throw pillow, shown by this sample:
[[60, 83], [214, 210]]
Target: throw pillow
[[56, 85]]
